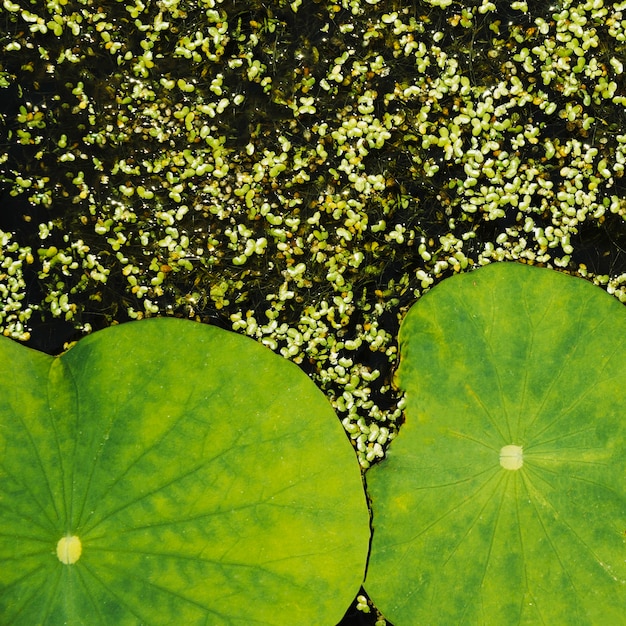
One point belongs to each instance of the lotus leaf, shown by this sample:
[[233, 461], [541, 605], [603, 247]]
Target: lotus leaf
[[170, 472], [503, 499]]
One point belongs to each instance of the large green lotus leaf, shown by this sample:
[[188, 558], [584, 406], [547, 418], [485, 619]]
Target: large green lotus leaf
[[206, 479], [503, 499]]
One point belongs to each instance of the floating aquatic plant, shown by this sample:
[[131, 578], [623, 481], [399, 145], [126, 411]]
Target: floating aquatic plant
[[302, 171], [502, 500], [167, 471], [15, 313], [277, 168]]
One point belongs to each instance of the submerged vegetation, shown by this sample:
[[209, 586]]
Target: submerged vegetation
[[302, 172]]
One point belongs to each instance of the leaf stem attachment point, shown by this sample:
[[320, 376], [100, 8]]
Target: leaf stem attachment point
[[511, 457], [69, 549]]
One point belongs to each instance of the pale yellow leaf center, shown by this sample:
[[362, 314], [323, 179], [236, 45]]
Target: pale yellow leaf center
[[69, 549], [511, 457]]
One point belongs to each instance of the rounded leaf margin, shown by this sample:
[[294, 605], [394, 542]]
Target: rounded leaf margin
[[507, 355], [193, 503]]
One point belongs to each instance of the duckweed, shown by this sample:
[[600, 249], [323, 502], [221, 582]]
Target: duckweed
[[302, 172], [15, 312]]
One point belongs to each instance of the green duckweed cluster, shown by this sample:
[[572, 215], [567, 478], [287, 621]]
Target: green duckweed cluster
[[302, 172], [14, 315]]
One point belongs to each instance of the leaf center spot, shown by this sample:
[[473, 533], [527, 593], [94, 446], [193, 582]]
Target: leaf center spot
[[69, 549], [511, 457]]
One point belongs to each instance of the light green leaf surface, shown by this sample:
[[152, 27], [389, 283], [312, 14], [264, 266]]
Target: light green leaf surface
[[508, 355], [207, 479]]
